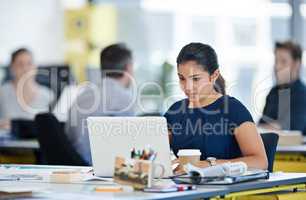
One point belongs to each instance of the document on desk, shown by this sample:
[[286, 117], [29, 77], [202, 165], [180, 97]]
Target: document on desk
[[15, 177], [11, 192], [50, 174], [249, 176], [97, 178], [38, 173], [44, 167], [227, 173]]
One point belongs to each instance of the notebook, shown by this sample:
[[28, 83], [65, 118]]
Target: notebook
[[250, 175]]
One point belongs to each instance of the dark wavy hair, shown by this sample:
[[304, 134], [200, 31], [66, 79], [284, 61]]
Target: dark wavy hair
[[206, 57]]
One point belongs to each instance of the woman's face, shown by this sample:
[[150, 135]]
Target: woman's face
[[22, 64], [195, 81]]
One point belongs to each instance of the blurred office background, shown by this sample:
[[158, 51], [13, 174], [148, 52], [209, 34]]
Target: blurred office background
[[72, 33]]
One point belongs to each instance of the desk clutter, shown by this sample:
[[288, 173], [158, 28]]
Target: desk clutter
[[222, 174], [290, 138], [32, 187], [286, 137], [139, 170], [52, 174]]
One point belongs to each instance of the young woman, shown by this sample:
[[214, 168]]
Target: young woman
[[22, 97], [208, 119]]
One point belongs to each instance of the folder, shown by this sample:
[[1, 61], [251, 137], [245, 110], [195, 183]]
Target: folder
[[250, 175]]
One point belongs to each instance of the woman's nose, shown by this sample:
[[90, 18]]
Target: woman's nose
[[189, 85]]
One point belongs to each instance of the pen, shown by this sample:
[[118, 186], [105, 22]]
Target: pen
[[143, 155], [152, 157], [133, 153], [138, 154], [181, 188]]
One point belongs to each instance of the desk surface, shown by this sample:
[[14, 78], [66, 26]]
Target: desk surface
[[19, 144], [8, 142], [292, 149], [86, 190], [276, 179]]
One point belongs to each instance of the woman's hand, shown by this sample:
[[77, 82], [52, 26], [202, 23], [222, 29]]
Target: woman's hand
[[178, 168], [202, 164]]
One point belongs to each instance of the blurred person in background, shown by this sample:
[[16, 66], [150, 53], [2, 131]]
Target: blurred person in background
[[112, 97], [22, 97], [285, 106]]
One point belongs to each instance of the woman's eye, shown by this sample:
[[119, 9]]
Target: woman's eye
[[195, 79], [181, 78]]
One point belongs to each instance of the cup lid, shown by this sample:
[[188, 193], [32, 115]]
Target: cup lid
[[189, 152]]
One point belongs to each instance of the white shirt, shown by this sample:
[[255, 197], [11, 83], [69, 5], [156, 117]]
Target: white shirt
[[12, 107], [107, 99]]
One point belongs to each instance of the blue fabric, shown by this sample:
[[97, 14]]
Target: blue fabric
[[285, 104], [210, 128]]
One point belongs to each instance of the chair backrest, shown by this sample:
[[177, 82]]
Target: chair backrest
[[270, 141], [23, 129], [55, 147]]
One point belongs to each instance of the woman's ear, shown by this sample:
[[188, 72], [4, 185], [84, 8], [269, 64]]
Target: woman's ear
[[214, 76]]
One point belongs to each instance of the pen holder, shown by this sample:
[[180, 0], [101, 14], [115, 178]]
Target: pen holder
[[137, 173]]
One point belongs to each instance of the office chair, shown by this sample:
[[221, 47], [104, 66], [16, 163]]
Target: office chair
[[270, 141], [55, 148], [23, 129]]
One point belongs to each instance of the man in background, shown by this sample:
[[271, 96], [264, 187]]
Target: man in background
[[111, 97], [285, 104]]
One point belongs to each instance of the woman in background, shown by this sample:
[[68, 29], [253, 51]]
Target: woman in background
[[22, 97], [217, 124]]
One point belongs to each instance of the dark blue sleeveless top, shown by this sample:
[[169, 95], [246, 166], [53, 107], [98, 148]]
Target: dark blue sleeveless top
[[209, 128]]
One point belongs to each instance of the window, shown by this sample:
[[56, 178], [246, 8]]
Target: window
[[242, 32]]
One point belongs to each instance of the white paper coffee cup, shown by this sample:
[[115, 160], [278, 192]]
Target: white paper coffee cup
[[191, 156]]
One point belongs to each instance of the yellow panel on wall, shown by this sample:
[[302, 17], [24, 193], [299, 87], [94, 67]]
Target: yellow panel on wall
[[94, 58], [87, 31], [77, 23], [76, 55], [103, 25]]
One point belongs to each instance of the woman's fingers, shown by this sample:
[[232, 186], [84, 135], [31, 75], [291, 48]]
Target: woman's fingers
[[179, 170], [174, 161]]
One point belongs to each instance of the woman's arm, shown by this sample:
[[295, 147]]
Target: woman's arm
[[251, 146]]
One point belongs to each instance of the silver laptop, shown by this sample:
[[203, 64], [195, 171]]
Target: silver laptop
[[116, 136]]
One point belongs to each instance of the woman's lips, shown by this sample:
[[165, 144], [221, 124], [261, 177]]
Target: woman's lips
[[191, 94]]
